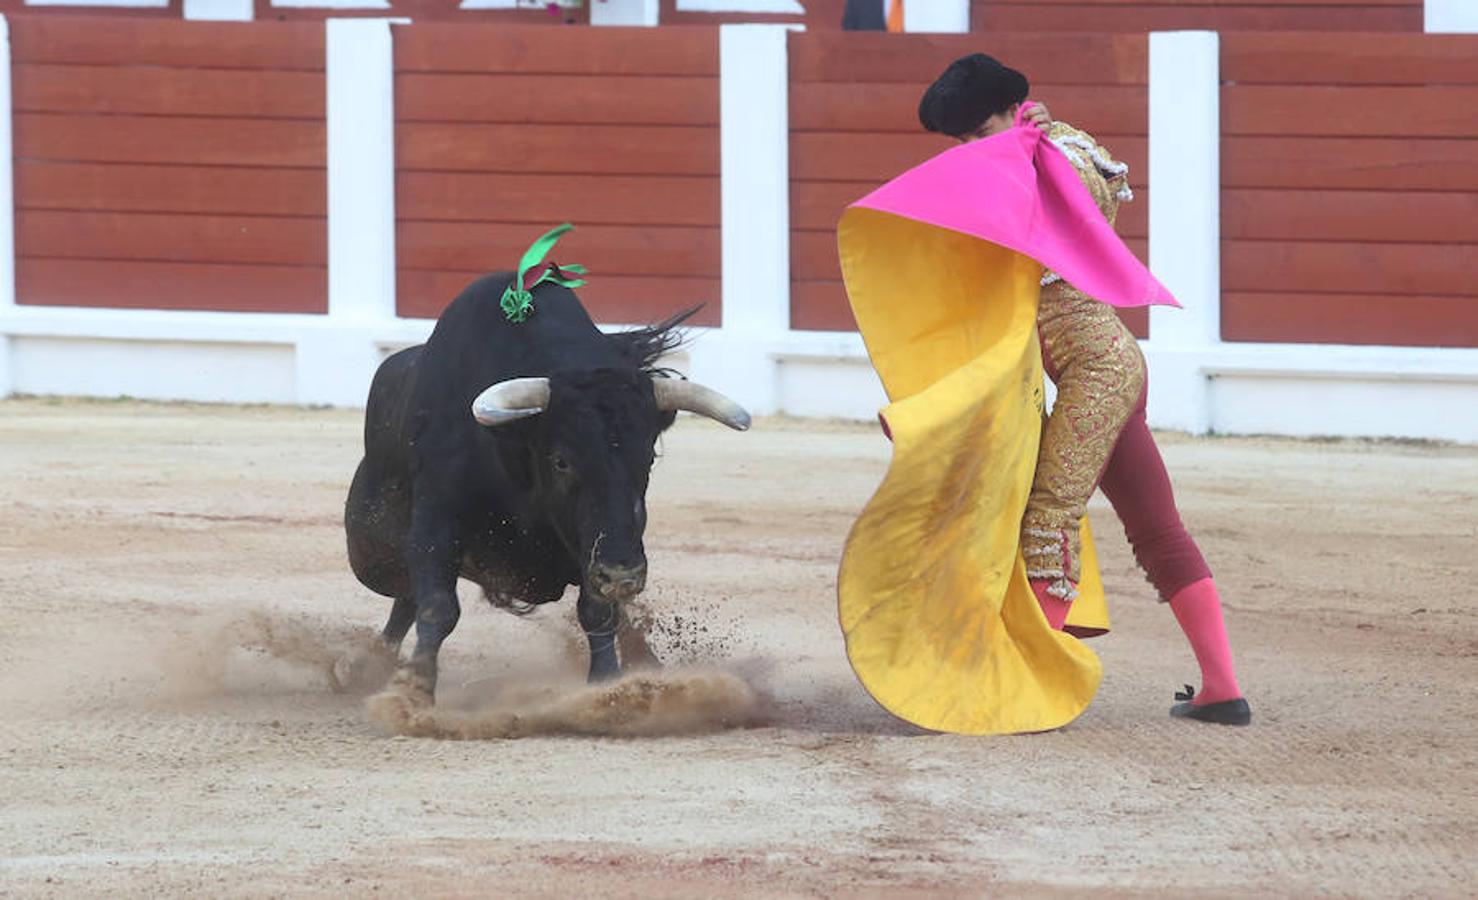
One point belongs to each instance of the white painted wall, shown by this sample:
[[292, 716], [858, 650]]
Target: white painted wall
[[754, 149], [1198, 383], [937, 16], [644, 13], [775, 7], [7, 212], [219, 10], [1185, 220], [1451, 16]]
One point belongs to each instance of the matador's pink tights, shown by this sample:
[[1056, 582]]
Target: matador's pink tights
[[1136, 483]]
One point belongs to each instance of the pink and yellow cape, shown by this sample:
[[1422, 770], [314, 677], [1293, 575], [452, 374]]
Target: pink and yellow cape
[[943, 267]]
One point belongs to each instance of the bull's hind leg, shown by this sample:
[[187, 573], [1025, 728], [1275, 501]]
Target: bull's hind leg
[[368, 668], [431, 559], [601, 621]]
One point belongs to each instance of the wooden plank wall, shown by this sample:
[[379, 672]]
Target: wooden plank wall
[[172, 165], [1350, 189], [819, 15], [506, 131], [423, 11], [1107, 16], [854, 124]]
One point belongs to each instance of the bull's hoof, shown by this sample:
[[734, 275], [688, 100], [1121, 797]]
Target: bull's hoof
[[602, 671], [363, 671], [413, 687], [636, 654]]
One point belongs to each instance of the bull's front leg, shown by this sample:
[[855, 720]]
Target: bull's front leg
[[601, 621], [432, 563]]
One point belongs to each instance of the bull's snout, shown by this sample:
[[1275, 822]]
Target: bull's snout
[[618, 582]]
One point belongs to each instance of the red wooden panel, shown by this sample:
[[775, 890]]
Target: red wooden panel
[[426, 11], [157, 139], [825, 15], [503, 49], [170, 10], [917, 59], [127, 41], [842, 156], [1385, 216], [1330, 267], [1350, 111], [1407, 320], [1215, 3], [606, 250], [185, 189], [556, 99], [1347, 59], [818, 205], [820, 306], [159, 91], [995, 15], [163, 285], [813, 256], [172, 238], [589, 150], [628, 300], [832, 106], [1367, 163], [610, 200], [1137, 319]]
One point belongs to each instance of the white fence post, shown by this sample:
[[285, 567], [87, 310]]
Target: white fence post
[[1185, 223], [755, 196], [335, 364], [7, 207], [937, 16], [643, 13], [1450, 16], [219, 10]]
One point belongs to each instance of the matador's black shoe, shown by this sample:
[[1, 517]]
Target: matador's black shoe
[[1227, 712]]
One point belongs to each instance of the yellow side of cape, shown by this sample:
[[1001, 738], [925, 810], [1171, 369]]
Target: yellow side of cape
[[940, 623]]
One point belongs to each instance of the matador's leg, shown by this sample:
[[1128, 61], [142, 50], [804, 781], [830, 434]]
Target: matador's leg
[[1100, 376]]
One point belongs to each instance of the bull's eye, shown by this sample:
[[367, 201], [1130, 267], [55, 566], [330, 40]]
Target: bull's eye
[[560, 464]]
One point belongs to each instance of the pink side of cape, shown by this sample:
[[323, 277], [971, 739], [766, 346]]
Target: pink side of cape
[[1018, 190]]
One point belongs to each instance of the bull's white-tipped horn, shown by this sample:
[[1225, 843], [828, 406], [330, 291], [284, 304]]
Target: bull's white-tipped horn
[[675, 394], [508, 401]]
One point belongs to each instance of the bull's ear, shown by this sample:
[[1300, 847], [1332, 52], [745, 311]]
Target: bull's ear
[[511, 400]]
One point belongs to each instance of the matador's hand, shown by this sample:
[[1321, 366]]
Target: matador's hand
[[1038, 115]]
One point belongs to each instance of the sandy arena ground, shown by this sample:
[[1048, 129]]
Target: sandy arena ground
[[148, 745]]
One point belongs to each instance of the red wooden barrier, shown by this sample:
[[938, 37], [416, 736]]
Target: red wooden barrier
[[854, 124], [1139, 16], [504, 132], [1349, 190], [172, 165]]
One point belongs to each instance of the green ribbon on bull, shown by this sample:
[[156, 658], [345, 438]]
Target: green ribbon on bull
[[518, 300]]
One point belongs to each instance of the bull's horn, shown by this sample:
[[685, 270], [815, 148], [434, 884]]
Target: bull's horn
[[506, 401], [675, 394]]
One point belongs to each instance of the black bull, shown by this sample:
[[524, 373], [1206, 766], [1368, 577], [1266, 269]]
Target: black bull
[[515, 456]]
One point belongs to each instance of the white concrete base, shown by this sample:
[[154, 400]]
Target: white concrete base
[[643, 13], [153, 370], [1450, 17], [1280, 389], [215, 357], [219, 10], [937, 16]]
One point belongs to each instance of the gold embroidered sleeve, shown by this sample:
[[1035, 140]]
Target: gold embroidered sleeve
[[1106, 178]]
